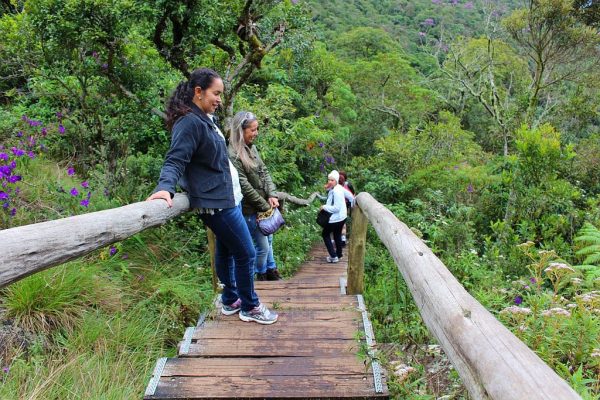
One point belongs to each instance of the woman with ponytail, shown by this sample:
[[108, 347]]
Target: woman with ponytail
[[197, 161]]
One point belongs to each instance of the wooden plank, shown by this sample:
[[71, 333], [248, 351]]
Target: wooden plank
[[326, 331], [304, 292], [258, 347], [322, 283], [266, 366], [278, 387]]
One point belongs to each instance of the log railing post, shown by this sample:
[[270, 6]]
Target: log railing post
[[356, 252], [212, 249]]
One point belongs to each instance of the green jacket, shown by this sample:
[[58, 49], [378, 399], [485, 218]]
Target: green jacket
[[257, 185]]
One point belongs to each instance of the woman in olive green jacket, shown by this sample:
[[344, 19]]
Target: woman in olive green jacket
[[257, 187]]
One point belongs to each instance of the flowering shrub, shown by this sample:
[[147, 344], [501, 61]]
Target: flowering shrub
[[557, 316], [16, 153]]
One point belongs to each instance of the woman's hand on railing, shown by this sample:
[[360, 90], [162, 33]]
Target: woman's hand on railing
[[161, 194]]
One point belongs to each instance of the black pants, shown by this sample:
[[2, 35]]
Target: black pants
[[336, 229]]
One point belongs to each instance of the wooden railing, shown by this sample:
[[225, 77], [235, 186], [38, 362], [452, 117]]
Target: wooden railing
[[492, 362], [28, 249]]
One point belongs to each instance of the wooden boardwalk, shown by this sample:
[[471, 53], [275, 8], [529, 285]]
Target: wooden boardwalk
[[311, 352]]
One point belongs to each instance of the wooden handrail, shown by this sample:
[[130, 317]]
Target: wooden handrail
[[492, 362], [28, 249], [32, 248]]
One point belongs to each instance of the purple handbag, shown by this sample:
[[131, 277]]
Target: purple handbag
[[270, 221]]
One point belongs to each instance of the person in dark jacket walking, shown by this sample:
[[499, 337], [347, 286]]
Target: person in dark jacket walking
[[197, 161], [257, 187]]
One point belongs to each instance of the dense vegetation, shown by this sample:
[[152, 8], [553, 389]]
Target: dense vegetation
[[476, 122]]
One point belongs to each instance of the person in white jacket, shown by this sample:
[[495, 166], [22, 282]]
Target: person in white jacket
[[336, 205]]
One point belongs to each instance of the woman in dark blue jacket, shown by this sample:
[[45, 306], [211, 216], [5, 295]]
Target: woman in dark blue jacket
[[197, 161]]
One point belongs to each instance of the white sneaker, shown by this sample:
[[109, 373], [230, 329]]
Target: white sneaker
[[332, 260], [260, 314]]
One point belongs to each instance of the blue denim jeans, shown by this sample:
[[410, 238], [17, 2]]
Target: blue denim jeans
[[234, 256], [270, 259], [261, 243]]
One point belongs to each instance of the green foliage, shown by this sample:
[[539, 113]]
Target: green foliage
[[589, 236], [586, 165], [443, 141], [393, 312], [56, 298], [365, 43], [560, 46], [540, 153]]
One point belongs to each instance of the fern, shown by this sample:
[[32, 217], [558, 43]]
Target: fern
[[590, 236]]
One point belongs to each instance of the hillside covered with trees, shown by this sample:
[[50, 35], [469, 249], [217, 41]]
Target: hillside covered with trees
[[477, 123]]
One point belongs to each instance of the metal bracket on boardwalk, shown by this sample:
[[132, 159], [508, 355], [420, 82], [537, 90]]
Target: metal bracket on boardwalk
[[158, 369], [375, 367]]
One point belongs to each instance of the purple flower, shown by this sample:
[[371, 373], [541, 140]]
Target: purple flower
[[61, 129], [428, 22], [3, 195], [95, 54], [125, 256], [31, 155], [14, 178], [321, 144], [468, 5], [436, 1], [85, 202], [74, 192], [17, 190], [12, 165], [24, 118], [470, 188], [13, 212], [59, 115], [17, 152], [518, 300], [70, 171], [20, 134], [113, 250], [532, 280], [89, 194], [422, 34], [105, 66], [44, 131], [4, 156], [85, 184], [5, 205], [5, 370], [106, 193]]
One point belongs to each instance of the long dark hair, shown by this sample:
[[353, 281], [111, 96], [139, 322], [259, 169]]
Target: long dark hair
[[180, 102]]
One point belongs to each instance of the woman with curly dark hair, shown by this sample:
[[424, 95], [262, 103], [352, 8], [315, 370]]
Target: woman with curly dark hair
[[197, 161]]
